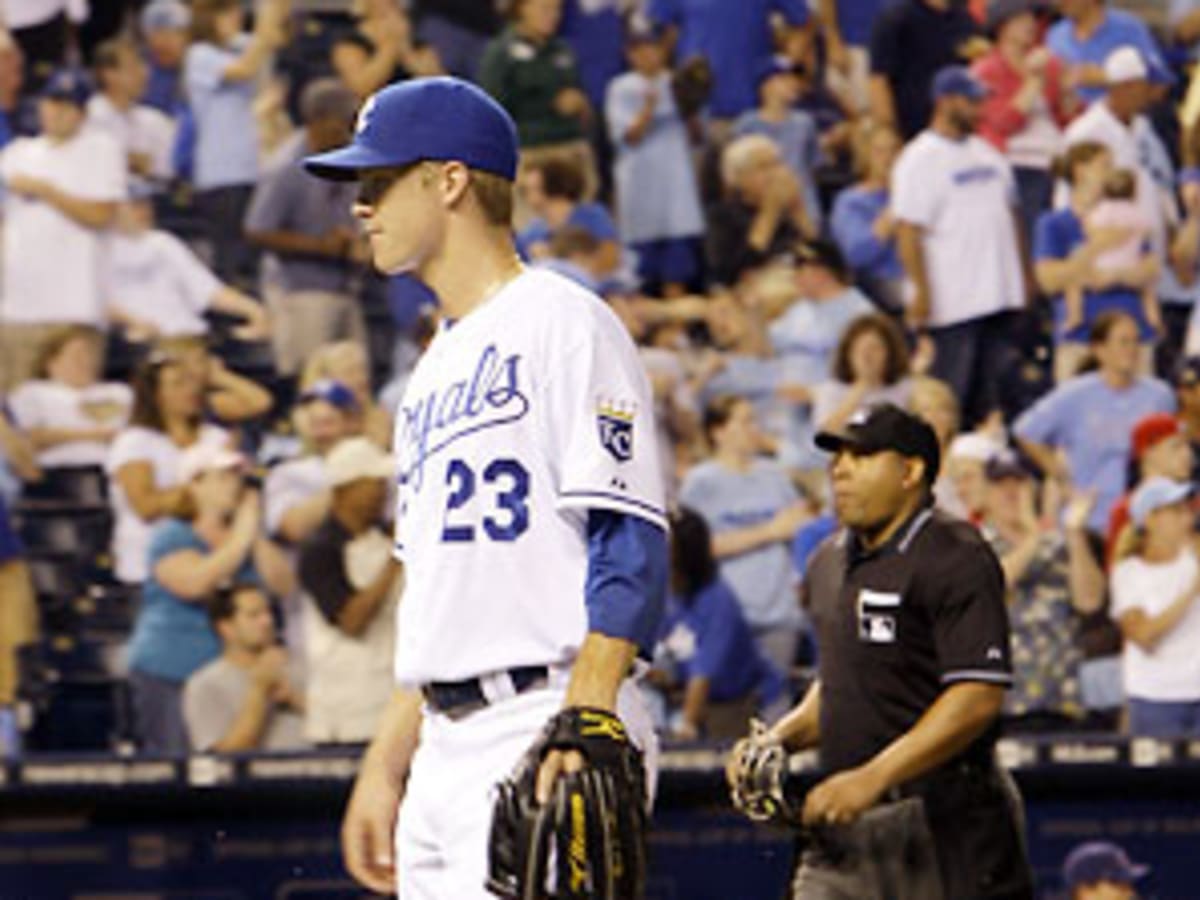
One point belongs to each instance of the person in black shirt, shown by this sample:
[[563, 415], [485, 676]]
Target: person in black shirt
[[908, 608]]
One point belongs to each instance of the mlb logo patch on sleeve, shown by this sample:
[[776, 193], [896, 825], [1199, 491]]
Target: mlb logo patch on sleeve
[[614, 420]]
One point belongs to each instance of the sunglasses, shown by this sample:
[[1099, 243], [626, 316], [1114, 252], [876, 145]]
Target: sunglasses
[[374, 184]]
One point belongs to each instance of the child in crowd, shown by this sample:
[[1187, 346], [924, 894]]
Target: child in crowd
[[1118, 212], [657, 197]]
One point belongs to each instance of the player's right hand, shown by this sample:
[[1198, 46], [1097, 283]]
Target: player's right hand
[[367, 830]]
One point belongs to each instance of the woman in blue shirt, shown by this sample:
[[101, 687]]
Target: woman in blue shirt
[[189, 559], [1063, 259], [726, 678], [219, 73], [862, 225]]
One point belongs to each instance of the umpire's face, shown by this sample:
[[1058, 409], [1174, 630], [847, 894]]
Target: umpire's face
[[871, 489]]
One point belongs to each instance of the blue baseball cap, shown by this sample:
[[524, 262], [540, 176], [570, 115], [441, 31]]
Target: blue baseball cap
[[1155, 493], [335, 393], [439, 118], [68, 84], [957, 81], [1100, 861]]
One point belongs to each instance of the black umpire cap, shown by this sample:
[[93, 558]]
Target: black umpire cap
[[886, 426]]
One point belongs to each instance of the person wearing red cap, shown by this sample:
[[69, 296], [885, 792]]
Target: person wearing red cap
[[1160, 448]]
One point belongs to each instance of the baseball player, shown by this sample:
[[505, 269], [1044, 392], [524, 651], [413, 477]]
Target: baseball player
[[531, 526]]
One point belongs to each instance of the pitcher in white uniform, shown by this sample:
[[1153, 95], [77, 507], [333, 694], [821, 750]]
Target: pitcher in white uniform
[[530, 516]]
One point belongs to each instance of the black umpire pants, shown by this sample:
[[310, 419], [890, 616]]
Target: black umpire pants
[[958, 835]]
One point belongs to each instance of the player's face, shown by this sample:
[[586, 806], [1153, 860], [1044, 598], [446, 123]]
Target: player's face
[[402, 216], [869, 489]]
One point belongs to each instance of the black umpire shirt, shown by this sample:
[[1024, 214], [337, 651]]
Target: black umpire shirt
[[896, 625]]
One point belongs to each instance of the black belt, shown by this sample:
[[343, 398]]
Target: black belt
[[457, 698]]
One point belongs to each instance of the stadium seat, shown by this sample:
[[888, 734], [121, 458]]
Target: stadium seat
[[82, 486], [79, 534]]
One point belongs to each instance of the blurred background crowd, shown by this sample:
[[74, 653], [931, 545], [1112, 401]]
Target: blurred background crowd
[[988, 213]]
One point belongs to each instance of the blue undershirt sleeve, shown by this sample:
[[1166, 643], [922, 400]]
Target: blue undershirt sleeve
[[626, 585]]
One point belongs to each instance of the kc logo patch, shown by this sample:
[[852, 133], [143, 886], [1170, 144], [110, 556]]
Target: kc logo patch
[[877, 616], [615, 424]]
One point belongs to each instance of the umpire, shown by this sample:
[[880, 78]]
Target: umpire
[[909, 610]]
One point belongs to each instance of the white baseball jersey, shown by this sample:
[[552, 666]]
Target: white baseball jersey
[[519, 418]]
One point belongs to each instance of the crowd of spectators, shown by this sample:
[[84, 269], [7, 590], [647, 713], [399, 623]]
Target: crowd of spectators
[[986, 212]]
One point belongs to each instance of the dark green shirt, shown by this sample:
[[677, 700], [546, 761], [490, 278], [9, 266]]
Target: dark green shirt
[[525, 78]]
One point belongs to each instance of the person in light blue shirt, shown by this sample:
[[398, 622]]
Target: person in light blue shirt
[[753, 510], [657, 197], [794, 131], [1089, 418], [219, 72], [726, 678], [188, 560], [1088, 32], [733, 35], [863, 227], [806, 337]]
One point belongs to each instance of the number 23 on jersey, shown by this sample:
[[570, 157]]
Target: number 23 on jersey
[[491, 500]]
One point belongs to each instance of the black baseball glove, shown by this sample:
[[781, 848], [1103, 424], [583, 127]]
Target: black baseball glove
[[588, 840]]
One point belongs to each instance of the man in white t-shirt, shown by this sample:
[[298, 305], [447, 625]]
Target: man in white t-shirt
[[954, 198], [1111, 121], [62, 188], [158, 287], [146, 135]]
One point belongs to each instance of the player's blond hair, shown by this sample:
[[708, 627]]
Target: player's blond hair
[[493, 193]]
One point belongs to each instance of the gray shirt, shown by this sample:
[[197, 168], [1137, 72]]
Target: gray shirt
[[289, 199], [213, 698]]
